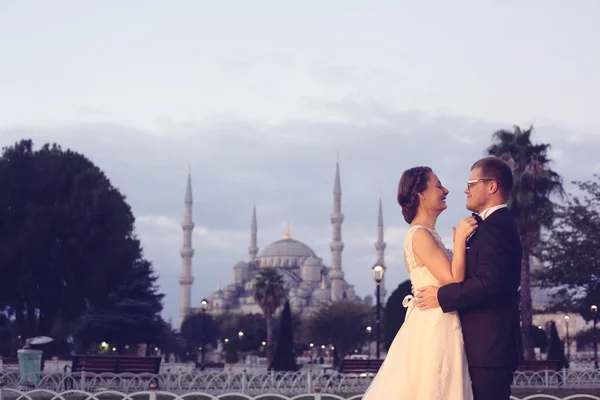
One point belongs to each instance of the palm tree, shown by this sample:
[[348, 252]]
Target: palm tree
[[530, 203], [269, 294]]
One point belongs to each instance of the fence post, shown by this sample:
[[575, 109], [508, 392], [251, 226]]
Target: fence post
[[1, 390], [152, 391], [82, 383], [309, 380], [317, 392], [244, 381]]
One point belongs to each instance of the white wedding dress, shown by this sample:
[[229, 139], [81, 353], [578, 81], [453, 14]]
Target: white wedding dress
[[426, 360]]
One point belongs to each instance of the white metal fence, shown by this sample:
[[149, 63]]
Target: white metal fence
[[44, 394], [287, 383]]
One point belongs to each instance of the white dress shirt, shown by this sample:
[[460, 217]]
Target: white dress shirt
[[488, 211]]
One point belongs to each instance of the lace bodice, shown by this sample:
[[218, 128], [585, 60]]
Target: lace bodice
[[420, 275]]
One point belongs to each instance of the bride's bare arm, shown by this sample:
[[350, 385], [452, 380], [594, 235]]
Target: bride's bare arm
[[427, 249]]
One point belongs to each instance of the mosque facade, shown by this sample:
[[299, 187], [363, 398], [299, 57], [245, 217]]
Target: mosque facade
[[308, 280]]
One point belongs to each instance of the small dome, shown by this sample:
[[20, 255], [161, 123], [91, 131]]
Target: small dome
[[241, 264], [312, 262], [304, 290], [287, 247], [321, 294]]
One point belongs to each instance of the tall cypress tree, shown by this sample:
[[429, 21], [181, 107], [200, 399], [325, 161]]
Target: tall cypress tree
[[556, 350], [284, 358]]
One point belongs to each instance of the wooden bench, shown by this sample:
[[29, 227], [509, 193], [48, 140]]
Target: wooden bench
[[10, 364], [115, 364], [539, 365], [350, 366], [97, 364]]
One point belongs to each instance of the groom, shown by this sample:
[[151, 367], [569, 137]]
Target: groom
[[487, 300]]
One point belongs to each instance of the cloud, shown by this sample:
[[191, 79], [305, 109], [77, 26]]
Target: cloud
[[288, 171]]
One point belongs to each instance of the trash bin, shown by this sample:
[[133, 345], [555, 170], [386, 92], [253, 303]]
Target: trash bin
[[30, 366]]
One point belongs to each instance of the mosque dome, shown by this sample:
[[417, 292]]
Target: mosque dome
[[287, 248], [286, 252]]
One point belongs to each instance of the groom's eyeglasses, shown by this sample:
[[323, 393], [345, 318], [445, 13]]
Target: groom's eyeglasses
[[474, 181]]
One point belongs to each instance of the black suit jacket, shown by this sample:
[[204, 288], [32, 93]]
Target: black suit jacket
[[488, 299]]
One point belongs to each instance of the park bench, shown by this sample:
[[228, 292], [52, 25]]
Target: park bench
[[538, 365], [10, 363], [115, 364], [97, 364], [350, 366]]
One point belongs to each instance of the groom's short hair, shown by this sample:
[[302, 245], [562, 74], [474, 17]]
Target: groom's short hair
[[497, 169]]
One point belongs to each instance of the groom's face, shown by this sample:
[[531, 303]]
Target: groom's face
[[477, 191]]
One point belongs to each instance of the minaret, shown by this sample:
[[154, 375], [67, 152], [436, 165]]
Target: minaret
[[336, 274], [380, 247], [187, 252], [253, 249]]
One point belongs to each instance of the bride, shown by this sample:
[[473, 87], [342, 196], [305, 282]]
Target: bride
[[427, 360]]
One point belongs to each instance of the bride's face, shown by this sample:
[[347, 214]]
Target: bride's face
[[434, 196]]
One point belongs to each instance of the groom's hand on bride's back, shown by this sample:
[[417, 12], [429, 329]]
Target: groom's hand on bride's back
[[427, 298]]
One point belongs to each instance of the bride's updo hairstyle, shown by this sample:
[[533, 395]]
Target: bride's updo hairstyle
[[412, 182]]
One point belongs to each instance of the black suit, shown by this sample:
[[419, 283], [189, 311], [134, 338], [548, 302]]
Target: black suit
[[487, 302]]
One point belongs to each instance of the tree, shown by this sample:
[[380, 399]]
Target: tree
[[571, 252], [129, 316], [284, 358], [530, 203], [556, 350], [342, 323], [9, 341], [193, 329], [231, 355], [269, 294], [395, 313], [174, 344], [252, 325], [66, 238], [539, 338]]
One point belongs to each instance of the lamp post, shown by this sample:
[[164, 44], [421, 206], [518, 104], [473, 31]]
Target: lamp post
[[204, 307], [594, 310], [568, 344], [378, 271], [369, 329]]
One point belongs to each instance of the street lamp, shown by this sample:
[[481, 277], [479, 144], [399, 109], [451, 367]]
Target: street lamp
[[594, 310], [369, 329], [204, 307], [568, 347], [378, 271]]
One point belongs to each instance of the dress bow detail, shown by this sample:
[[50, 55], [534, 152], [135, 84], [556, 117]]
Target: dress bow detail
[[409, 304]]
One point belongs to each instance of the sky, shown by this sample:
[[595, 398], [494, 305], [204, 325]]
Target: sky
[[257, 99]]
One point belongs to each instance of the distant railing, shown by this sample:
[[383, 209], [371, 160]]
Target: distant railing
[[288, 383]]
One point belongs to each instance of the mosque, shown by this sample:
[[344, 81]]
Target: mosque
[[308, 281]]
